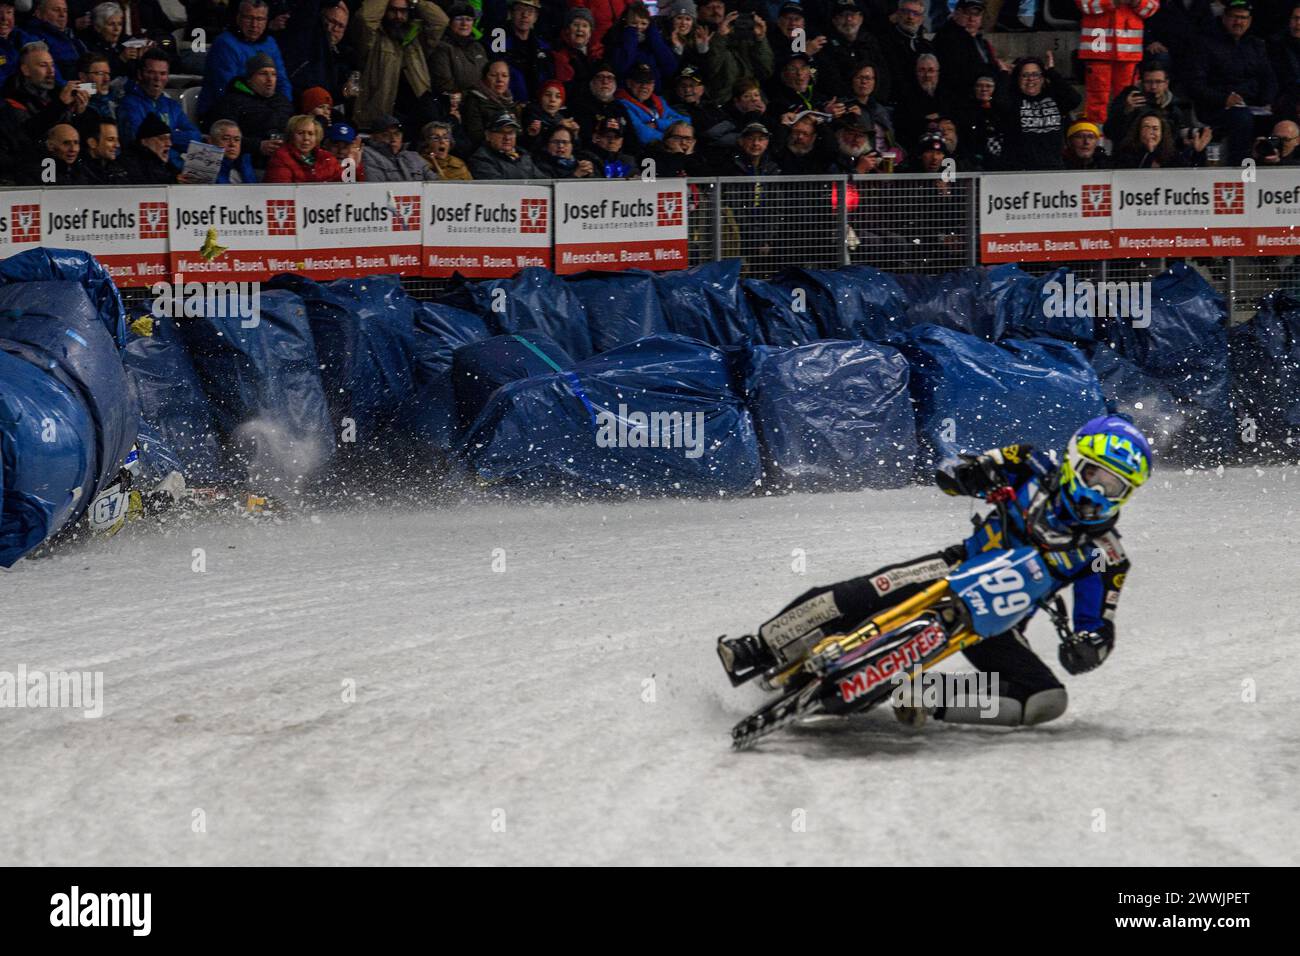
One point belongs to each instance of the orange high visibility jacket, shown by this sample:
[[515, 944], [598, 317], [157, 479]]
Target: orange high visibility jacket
[[1113, 32]]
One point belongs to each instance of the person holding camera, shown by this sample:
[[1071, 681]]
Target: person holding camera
[[1232, 80], [742, 47], [1279, 149], [1151, 144], [1150, 94]]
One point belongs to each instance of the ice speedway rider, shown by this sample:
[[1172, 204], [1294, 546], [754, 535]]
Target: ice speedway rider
[[1068, 512]]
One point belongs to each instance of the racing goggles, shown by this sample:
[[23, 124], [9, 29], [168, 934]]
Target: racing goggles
[[1105, 481]]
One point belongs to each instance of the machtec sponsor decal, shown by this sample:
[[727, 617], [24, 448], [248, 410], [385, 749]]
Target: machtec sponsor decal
[[797, 621], [913, 651], [925, 571]]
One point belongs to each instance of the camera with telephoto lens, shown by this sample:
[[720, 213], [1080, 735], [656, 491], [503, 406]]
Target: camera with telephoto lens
[[1267, 147]]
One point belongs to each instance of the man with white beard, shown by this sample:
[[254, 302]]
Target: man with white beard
[[854, 152]]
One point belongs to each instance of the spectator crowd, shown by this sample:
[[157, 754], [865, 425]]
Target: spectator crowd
[[406, 90]]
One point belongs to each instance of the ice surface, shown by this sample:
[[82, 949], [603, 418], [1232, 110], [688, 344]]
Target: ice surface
[[518, 697]]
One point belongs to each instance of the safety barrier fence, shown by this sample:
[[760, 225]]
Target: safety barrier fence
[[1238, 227]]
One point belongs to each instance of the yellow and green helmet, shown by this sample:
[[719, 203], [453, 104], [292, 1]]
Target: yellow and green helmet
[[1107, 459]]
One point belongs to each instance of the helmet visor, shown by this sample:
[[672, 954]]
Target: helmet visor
[[1105, 481]]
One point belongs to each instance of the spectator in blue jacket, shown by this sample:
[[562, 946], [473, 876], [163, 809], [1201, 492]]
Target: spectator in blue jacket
[[632, 41], [145, 96], [650, 114], [8, 47], [49, 25], [233, 48], [236, 166]]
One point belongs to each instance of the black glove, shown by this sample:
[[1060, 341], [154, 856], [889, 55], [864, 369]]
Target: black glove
[[975, 476], [1085, 651]]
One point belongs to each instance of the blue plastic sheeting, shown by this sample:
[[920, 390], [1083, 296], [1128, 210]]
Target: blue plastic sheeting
[[430, 418], [263, 383], [1141, 398], [364, 334], [706, 303], [1185, 347], [955, 300], [776, 320], [1056, 304], [974, 395], [536, 300], [659, 416], [56, 327], [852, 302], [834, 414], [1266, 377], [72, 265], [480, 368], [620, 307], [174, 412], [47, 456]]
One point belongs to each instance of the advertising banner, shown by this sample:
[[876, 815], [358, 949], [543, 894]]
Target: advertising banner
[[1273, 210], [485, 231], [359, 229], [612, 225], [235, 232], [1045, 216], [124, 228], [1179, 212]]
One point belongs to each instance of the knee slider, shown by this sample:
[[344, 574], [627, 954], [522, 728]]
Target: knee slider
[[1044, 705]]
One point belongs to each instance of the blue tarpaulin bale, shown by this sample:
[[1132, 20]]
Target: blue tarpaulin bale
[[263, 385], [706, 303], [959, 300], [364, 332], [56, 326], [776, 320], [480, 368], [1265, 360], [1139, 397], [430, 418], [1185, 347], [973, 395], [536, 300], [852, 302], [620, 307], [1054, 305], [47, 456], [660, 416], [834, 414], [174, 411], [71, 265]]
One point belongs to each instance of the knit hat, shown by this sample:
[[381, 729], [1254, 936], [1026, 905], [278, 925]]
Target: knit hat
[[314, 97], [579, 13], [258, 61], [551, 85], [152, 125], [678, 8], [461, 10], [1083, 126]]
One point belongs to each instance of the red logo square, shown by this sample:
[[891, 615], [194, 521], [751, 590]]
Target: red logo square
[[532, 215], [1096, 200], [281, 217], [670, 211], [26, 222], [153, 220], [1230, 199], [406, 217]]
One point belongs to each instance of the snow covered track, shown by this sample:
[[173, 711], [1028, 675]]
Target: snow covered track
[[519, 697]]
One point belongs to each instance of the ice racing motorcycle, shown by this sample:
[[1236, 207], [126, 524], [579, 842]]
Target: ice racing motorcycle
[[851, 673]]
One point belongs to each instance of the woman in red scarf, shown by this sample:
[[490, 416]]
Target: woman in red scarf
[[300, 159]]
